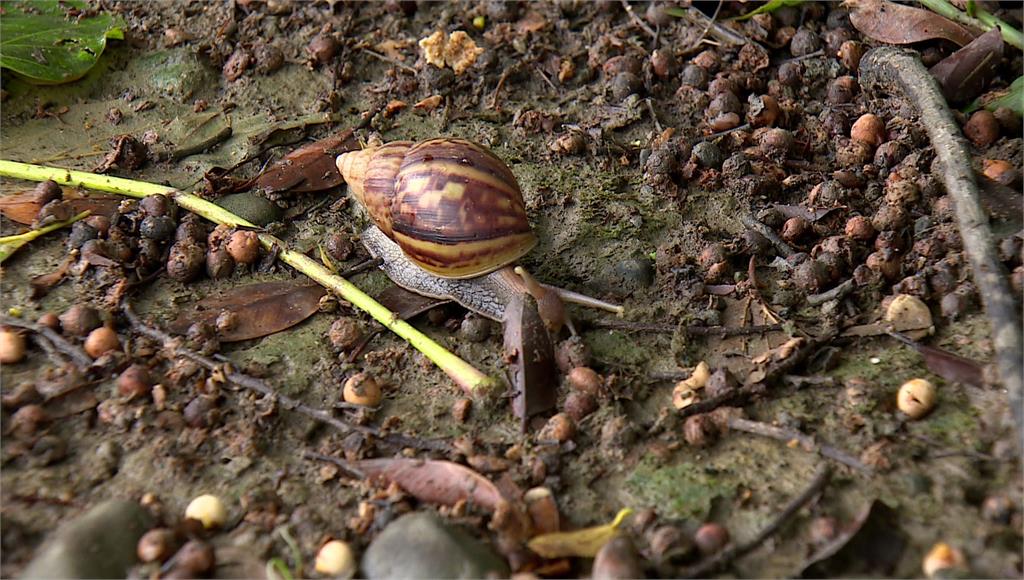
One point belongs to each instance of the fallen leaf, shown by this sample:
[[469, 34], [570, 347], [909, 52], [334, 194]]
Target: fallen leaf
[[310, 167], [406, 304], [946, 364], [585, 543], [23, 207], [1012, 98], [42, 283], [964, 74], [428, 104], [434, 481], [531, 367], [870, 546], [259, 309], [893, 23]]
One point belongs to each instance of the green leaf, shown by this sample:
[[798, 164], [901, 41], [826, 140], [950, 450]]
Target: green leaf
[[769, 7], [1012, 98], [53, 41]]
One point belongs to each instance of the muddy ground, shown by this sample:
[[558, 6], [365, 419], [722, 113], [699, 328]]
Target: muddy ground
[[567, 93]]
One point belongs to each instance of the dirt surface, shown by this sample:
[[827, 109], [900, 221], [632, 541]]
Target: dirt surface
[[637, 196]]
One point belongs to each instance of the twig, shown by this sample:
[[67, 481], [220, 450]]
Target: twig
[[746, 392], [707, 27], [351, 471], [654, 116], [785, 249], [636, 19], [723, 331], [885, 68], [263, 388], [76, 354], [389, 60], [806, 441], [470, 379], [833, 294], [711, 565]]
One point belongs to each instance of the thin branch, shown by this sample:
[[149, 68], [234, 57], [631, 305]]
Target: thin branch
[[722, 331], [637, 20], [263, 388], [785, 249], [714, 563], [886, 69], [62, 344], [833, 294], [806, 441]]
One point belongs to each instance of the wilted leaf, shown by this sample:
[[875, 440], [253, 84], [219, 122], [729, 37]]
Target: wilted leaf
[[434, 481], [946, 364], [258, 309], [42, 283], [11, 244], [1011, 98], [51, 41], [406, 304], [310, 167], [964, 74], [531, 367], [870, 546], [894, 23], [585, 543]]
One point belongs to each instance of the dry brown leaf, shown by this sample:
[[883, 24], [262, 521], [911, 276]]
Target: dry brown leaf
[[886, 21], [255, 310], [964, 74], [434, 481], [310, 167]]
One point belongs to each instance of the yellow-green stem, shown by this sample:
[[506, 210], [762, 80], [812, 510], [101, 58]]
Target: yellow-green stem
[[464, 374]]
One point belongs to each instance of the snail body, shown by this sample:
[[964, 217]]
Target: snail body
[[449, 221]]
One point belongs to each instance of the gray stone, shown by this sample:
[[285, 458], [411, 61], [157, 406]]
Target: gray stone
[[248, 205], [422, 545], [99, 544]]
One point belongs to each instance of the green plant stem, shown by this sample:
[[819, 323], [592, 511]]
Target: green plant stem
[[464, 374], [983, 20], [9, 244]]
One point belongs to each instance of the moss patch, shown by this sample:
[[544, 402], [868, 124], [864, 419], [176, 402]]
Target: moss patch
[[682, 490]]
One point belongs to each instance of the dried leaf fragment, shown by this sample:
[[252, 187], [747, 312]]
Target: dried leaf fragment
[[585, 543], [459, 51], [434, 481], [886, 21]]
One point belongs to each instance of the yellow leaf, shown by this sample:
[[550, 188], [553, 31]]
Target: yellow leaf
[[584, 543]]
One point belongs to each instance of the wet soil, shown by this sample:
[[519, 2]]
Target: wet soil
[[624, 210]]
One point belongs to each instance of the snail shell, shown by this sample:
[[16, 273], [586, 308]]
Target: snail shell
[[451, 205]]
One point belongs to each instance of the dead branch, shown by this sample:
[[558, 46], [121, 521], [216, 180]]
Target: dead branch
[[263, 388], [807, 443], [885, 68], [58, 342], [722, 331], [709, 566]]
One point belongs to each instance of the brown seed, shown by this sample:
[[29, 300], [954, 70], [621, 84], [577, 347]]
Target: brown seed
[[795, 228], [49, 320], [155, 205], [80, 320], [710, 538], [850, 53], [700, 430], [776, 141], [156, 545], [219, 263], [859, 228], [237, 64], [724, 122], [101, 341], [12, 346], [134, 381], [572, 353], [763, 110], [579, 405], [345, 333], [560, 428], [885, 262], [323, 48], [185, 260], [982, 128], [540, 503], [362, 389], [1000, 171], [339, 247], [868, 129], [586, 380], [27, 420], [244, 246], [663, 63], [194, 560], [461, 409]]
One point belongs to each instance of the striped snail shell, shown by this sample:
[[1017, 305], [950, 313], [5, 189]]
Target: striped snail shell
[[452, 206]]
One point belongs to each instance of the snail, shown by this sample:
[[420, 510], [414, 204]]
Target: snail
[[450, 222]]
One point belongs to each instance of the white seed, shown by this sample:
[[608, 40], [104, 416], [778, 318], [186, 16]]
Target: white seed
[[909, 315], [916, 398], [335, 559], [208, 509]]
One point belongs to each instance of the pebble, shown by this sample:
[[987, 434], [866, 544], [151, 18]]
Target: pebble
[[255, 208], [99, 544], [422, 545]]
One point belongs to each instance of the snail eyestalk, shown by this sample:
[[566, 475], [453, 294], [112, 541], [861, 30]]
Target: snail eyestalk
[[549, 303], [465, 375]]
